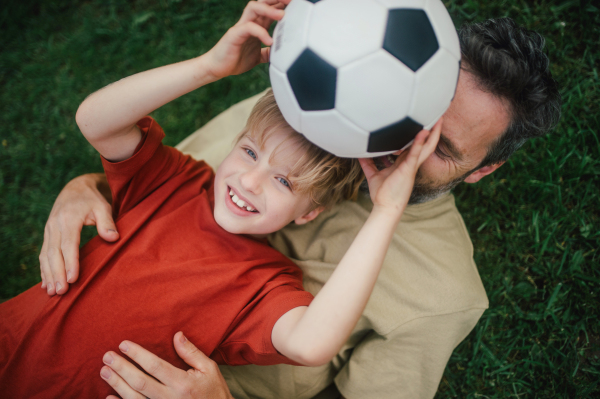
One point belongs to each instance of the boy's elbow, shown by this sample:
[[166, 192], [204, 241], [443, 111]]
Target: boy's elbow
[[312, 356], [81, 118]]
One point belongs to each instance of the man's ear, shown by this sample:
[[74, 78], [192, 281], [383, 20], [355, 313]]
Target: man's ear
[[481, 172], [309, 216]]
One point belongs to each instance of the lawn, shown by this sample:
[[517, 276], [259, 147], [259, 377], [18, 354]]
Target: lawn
[[534, 223]]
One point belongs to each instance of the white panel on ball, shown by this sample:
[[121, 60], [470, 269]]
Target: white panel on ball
[[442, 24], [285, 98], [341, 31], [290, 35], [332, 131], [393, 4], [379, 73], [434, 87]]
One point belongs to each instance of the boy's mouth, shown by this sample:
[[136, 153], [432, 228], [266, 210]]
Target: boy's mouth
[[240, 203]]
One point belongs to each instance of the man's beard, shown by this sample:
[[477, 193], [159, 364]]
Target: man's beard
[[423, 190]]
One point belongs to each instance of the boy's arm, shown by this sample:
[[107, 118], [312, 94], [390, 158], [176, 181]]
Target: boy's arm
[[108, 117], [313, 335]]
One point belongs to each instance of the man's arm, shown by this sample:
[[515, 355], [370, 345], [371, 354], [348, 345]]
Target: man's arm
[[85, 200]]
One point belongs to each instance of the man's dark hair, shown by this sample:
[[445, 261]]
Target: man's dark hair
[[508, 61]]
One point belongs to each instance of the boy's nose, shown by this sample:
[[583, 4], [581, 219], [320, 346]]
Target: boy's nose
[[251, 180]]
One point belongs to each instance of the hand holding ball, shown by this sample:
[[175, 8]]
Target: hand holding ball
[[360, 78]]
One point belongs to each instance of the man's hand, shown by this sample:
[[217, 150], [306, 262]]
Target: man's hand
[[239, 50], [80, 203], [204, 380]]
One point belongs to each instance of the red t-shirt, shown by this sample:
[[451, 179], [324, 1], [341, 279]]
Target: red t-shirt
[[172, 269]]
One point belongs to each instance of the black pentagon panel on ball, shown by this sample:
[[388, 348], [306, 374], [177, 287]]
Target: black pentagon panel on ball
[[394, 136], [313, 82], [409, 37]]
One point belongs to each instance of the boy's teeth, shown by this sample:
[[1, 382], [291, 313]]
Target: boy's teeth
[[249, 208], [231, 192], [235, 198], [239, 202]]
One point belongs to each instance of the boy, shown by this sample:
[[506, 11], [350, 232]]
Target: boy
[[190, 246]]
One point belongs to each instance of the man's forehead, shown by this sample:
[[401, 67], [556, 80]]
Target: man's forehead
[[474, 120]]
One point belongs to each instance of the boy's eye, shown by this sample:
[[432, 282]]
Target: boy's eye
[[284, 182], [251, 153]]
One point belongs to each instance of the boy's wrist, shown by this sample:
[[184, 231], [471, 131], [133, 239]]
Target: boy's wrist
[[391, 214]]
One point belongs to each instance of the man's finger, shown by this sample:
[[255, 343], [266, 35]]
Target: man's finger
[[118, 384], [105, 224], [191, 354], [69, 246], [155, 366], [135, 379]]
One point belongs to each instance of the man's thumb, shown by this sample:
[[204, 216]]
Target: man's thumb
[[106, 227], [189, 353]]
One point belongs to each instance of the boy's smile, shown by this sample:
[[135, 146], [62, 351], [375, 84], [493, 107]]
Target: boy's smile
[[253, 193]]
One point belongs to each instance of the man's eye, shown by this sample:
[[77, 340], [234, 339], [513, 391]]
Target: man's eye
[[441, 153], [284, 182], [251, 153]]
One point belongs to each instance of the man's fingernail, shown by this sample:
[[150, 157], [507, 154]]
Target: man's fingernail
[[58, 287], [105, 373], [69, 275], [49, 287], [107, 359], [112, 231], [124, 347], [182, 338]]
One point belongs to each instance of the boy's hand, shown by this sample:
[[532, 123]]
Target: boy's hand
[[391, 187], [239, 50]]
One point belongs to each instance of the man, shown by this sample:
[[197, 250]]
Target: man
[[429, 294]]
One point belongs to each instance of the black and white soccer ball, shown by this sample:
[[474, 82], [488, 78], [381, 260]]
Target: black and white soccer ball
[[360, 78]]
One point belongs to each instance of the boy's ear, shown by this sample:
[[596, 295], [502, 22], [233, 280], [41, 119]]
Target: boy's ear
[[482, 172], [309, 216]]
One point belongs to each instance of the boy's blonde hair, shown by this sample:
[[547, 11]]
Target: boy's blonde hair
[[326, 178]]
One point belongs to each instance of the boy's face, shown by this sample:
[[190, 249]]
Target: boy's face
[[252, 193]]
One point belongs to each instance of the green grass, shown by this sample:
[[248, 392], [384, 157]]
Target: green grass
[[534, 222]]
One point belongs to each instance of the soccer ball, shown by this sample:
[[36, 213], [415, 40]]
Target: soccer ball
[[360, 78]]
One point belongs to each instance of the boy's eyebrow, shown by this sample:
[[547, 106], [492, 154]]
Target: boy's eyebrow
[[452, 149]]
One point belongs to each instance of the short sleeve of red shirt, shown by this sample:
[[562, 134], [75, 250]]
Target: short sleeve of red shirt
[[151, 165]]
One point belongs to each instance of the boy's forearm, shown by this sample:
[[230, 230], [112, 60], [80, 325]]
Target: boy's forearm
[[110, 114], [315, 334]]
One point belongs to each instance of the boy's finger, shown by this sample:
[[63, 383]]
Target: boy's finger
[[265, 54], [132, 376], [255, 10], [431, 143], [251, 29], [114, 380], [368, 167]]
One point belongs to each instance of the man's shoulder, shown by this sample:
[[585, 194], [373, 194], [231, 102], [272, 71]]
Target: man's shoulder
[[429, 268]]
